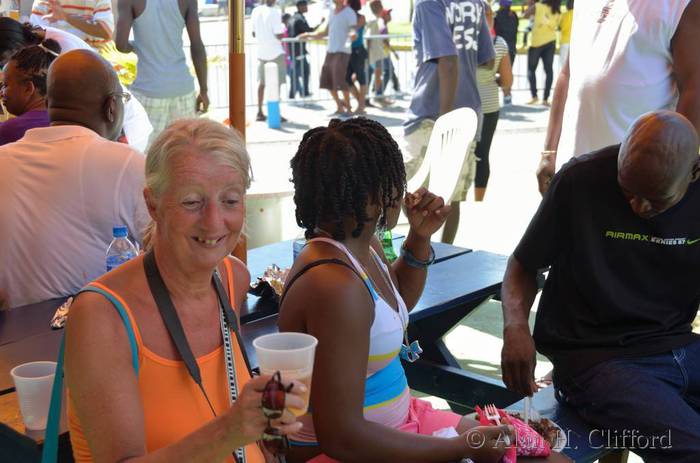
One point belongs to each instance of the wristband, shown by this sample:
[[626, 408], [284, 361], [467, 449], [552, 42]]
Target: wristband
[[412, 261]]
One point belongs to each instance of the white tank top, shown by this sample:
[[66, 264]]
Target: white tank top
[[621, 67]]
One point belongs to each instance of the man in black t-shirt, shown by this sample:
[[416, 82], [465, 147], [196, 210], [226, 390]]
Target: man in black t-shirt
[[297, 51], [620, 230]]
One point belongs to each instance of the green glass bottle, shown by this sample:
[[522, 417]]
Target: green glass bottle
[[388, 246]]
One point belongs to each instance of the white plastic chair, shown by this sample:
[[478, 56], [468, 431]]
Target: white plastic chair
[[446, 153]]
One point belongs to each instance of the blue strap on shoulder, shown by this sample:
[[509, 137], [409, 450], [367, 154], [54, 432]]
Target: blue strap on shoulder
[[50, 451]]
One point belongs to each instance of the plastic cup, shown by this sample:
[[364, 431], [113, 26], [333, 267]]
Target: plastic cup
[[292, 354], [33, 382]]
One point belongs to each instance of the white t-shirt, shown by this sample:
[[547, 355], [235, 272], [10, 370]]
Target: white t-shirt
[[620, 68], [267, 24], [63, 190], [339, 26], [137, 126]]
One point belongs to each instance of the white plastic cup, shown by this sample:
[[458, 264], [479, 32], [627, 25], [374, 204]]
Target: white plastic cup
[[33, 382], [292, 354]]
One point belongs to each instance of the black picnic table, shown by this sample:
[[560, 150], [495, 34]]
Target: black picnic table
[[458, 282]]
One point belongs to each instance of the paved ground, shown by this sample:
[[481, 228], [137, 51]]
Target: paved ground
[[494, 225]]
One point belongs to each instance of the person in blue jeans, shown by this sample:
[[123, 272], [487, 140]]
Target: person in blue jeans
[[297, 51], [619, 230]]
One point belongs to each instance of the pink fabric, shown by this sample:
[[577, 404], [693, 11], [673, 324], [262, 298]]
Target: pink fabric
[[422, 419], [528, 442]]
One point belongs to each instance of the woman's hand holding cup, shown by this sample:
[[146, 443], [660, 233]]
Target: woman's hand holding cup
[[251, 421]]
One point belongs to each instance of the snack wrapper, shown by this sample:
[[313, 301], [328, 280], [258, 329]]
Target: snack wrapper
[[271, 284], [528, 442], [58, 321]]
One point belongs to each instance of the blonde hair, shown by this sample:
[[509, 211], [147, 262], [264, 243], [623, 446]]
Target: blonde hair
[[203, 137]]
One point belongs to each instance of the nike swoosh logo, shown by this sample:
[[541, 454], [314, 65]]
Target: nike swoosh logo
[[692, 241]]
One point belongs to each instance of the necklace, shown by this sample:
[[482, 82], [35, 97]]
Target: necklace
[[385, 278], [320, 231]]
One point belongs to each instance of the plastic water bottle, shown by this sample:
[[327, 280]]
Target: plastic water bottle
[[388, 246], [120, 249]]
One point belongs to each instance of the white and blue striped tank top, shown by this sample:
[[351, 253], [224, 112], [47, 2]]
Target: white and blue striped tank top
[[387, 396]]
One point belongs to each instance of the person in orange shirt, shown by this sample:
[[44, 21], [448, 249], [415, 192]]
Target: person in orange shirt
[[197, 173]]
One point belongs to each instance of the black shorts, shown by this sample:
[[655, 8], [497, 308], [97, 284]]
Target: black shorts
[[358, 65]]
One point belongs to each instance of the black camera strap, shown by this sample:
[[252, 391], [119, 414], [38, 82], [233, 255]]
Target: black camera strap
[[172, 322]]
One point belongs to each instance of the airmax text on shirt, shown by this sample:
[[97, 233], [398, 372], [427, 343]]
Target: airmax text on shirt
[[618, 235]]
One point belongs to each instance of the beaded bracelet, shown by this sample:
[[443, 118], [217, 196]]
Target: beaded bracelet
[[411, 260]]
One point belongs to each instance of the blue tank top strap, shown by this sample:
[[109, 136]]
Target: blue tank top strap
[[125, 319], [50, 451]]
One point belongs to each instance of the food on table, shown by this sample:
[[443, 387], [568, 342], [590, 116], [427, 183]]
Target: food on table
[[544, 427]]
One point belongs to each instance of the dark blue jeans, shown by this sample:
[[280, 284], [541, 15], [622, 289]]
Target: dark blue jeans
[[534, 55], [650, 405], [299, 77]]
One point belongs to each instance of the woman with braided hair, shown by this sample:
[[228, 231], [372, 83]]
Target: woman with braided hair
[[349, 181], [23, 89]]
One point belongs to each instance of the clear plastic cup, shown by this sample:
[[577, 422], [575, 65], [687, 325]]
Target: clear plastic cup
[[292, 354], [33, 382]]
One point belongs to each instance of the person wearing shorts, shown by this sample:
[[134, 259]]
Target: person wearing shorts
[[340, 30], [268, 28], [439, 45]]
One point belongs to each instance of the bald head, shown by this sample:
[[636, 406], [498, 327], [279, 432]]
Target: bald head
[[79, 85], [657, 161]]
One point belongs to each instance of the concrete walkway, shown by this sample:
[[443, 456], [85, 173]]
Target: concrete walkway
[[494, 225]]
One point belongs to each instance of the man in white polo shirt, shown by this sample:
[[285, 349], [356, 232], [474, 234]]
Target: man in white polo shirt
[[65, 186], [268, 28]]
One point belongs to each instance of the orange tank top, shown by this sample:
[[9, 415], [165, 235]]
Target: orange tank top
[[173, 405]]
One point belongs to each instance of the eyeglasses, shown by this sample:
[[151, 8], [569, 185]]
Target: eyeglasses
[[125, 96], [273, 399]]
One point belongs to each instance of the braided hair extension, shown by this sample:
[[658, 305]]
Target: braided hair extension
[[338, 170], [34, 62]]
